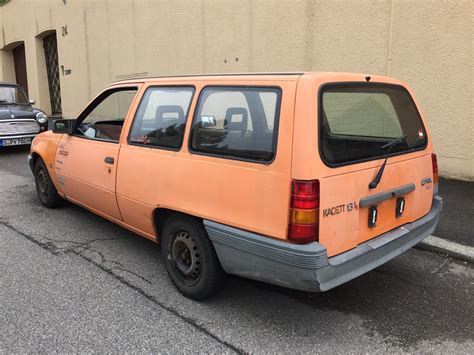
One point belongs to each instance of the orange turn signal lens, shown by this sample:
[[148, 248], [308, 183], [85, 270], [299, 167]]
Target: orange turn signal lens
[[298, 216]]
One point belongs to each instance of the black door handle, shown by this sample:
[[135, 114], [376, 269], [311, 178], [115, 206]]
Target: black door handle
[[109, 160]]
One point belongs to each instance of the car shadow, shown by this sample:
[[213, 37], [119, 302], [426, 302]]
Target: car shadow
[[14, 150]]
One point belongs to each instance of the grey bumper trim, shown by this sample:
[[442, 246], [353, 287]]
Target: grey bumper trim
[[311, 256], [307, 267]]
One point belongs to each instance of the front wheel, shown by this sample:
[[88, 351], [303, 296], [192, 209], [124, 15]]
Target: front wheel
[[190, 258], [47, 193]]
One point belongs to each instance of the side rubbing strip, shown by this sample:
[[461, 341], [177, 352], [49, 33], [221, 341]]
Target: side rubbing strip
[[382, 196]]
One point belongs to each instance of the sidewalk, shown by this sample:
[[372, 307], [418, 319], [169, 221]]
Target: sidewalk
[[455, 232]]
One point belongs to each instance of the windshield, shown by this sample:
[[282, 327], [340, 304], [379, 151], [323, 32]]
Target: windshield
[[358, 120], [12, 95]]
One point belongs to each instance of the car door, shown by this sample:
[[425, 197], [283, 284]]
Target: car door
[[155, 136], [86, 161]]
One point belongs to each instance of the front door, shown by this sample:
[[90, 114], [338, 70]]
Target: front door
[[86, 161]]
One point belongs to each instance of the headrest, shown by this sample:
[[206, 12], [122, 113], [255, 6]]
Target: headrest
[[161, 111], [240, 126]]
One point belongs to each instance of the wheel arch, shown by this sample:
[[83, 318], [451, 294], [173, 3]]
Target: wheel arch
[[45, 150], [160, 215], [34, 158]]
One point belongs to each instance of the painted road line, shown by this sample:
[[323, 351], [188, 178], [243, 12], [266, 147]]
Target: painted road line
[[454, 250]]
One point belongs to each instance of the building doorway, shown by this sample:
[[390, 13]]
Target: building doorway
[[50, 45], [19, 62]]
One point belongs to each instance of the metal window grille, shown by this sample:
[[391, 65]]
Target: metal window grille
[[50, 45]]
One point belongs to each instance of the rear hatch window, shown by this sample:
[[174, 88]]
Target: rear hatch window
[[358, 119]]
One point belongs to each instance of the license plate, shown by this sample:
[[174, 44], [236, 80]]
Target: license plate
[[14, 141]]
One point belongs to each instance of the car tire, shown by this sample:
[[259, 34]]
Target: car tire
[[47, 193], [190, 259]]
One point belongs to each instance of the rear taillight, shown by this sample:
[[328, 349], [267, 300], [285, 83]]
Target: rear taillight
[[304, 211], [434, 163]]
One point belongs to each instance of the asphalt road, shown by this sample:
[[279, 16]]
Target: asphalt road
[[71, 281]]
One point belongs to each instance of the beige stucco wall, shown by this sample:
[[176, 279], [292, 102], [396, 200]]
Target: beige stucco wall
[[427, 43]]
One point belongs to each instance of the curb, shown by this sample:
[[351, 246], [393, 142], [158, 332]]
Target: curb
[[452, 249]]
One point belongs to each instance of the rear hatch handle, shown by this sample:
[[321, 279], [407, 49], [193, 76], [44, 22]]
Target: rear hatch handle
[[386, 195]]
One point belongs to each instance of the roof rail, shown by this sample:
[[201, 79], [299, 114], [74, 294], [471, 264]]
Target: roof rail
[[211, 74]]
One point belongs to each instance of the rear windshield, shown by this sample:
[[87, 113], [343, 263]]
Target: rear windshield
[[357, 120]]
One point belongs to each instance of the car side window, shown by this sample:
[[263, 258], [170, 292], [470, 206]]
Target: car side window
[[104, 119], [237, 122], [161, 117]]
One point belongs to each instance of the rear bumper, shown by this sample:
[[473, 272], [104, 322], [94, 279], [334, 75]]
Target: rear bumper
[[307, 267]]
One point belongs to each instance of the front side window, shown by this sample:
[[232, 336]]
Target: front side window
[[161, 117], [237, 123], [356, 121], [105, 117]]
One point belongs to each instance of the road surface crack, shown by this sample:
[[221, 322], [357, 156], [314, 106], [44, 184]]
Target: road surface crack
[[76, 248], [79, 250]]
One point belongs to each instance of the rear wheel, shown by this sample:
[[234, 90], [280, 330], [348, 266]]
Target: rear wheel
[[47, 193], [190, 258]]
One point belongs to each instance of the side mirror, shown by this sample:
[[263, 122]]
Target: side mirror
[[32, 101], [64, 126]]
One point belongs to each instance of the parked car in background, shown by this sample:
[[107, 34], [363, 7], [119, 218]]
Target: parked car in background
[[20, 122], [301, 180]]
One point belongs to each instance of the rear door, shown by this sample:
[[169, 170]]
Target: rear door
[[361, 124]]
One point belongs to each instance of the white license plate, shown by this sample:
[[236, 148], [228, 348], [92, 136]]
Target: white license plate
[[14, 141]]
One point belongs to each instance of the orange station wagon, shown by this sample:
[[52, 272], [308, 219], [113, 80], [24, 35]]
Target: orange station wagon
[[304, 180]]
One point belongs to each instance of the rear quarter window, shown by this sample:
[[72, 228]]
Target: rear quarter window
[[356, 120], [237, 123]]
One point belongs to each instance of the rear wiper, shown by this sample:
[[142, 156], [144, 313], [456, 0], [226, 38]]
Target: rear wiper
[[373, 184]]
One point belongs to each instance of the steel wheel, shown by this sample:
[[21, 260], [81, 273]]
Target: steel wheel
[[45, 189], [43, 185], [186, 257], [189, 256]]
